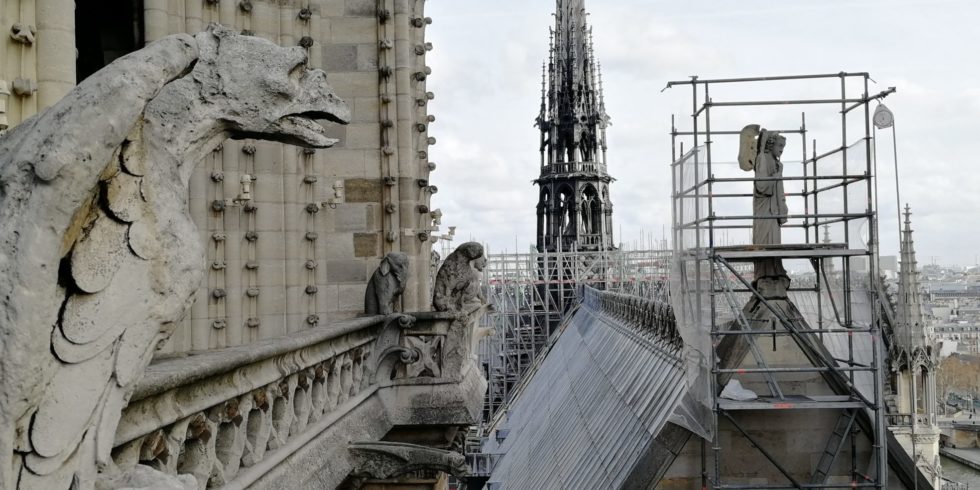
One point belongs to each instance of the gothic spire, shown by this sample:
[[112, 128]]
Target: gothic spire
[[911, 331], [575, 104], [575, 210]]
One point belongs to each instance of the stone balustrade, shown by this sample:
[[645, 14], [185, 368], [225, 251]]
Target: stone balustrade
[[906, 419], [651, 318], [899, 419], [573, 167], [231, 416], [591, 240]]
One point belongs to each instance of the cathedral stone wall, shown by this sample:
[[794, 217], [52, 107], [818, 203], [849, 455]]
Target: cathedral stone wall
[[300, 251], [37, 56]]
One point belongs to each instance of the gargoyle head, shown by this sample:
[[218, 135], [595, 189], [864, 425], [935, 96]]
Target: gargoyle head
[[473, 251], [396, 263], [456, 464], [265, 91]]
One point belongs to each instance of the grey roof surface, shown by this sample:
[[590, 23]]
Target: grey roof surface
[[591, 410]]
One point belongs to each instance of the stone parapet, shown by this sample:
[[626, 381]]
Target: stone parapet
[[650, 318], [275, 410]]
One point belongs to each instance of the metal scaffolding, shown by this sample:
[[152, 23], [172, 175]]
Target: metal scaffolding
[[829, 194], [531, 292]]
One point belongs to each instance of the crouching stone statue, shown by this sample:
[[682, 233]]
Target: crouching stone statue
[[386, 285], [458, 283], [459, 290]]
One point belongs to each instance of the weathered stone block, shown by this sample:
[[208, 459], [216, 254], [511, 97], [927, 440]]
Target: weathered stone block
[[346, 271], [341, 163], [333, 8], [340, 57], [339, 246], [354, 84], [363, 190], [367, 57], [351, 217], [364, 136], [365, 8], [355, 30], [351, 297], [271, 302], [367, 244], [372, 164], [374, 211], [328, 298], [267, 188], [298, 303], [365, 109]]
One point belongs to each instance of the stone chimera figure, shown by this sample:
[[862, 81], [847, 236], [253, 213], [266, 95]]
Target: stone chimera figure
[[458, 283], [386, 285]]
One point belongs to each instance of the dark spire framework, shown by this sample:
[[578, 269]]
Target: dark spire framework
[[910, 340], [574, 210]]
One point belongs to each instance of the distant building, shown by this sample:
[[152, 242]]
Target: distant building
[[965, 336]]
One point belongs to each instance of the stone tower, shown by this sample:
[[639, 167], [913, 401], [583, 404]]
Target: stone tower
[[913, 358], [300, 250], [574, 209]]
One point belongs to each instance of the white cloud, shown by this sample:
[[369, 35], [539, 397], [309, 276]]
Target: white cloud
[[487, 63]]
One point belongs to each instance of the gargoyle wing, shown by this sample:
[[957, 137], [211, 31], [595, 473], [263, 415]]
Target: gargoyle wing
[[81, 255]]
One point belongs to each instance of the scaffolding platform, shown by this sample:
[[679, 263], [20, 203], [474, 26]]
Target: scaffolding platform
[[532, 292], [830, 221], [792, 402], [748, 253]]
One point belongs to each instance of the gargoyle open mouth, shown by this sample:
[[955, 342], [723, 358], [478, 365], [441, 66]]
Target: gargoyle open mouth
[[302, 129], [315, 101]]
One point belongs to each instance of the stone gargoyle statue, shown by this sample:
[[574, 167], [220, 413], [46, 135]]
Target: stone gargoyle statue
[[458, 282], [99, 258], [459, 290], [387, 284]]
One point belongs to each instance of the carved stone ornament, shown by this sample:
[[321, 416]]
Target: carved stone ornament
[[23, 87], [95, 187], [384, 460], [22, 33], [386, 285], [458, 282]]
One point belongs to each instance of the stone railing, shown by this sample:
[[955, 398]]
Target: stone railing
[[572, 167], [481, 465], [899, 419], [906, 419], [591, 240], [652, 319], [231, 416], [216, 414], [952, 485]]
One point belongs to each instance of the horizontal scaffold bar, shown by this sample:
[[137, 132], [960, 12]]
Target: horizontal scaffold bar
[[700, 81]]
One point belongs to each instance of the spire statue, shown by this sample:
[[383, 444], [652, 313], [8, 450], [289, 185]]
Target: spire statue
[[760, 152]]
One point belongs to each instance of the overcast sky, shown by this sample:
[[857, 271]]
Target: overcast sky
[[487, 74]]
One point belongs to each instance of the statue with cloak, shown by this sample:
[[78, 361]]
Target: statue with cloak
[[760, 152]]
